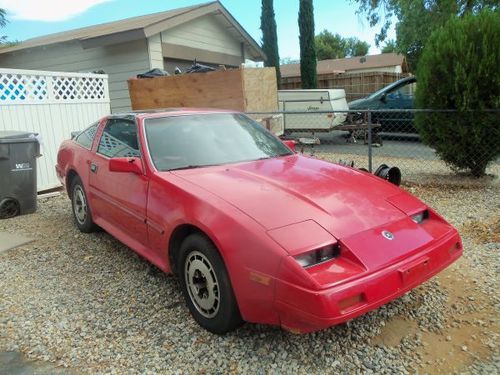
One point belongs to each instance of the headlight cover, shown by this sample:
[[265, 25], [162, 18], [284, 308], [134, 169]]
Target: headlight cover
[[318, 256]]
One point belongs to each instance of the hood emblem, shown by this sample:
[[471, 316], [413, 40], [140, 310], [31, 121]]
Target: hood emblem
[[388, 235]]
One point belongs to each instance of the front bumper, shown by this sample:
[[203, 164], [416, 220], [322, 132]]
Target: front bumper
[[302, 310]]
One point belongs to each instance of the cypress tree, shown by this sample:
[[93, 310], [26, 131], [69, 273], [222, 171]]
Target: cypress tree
[[307, 49], [270, 37]]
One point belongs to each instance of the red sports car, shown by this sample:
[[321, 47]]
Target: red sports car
[[255, 231]]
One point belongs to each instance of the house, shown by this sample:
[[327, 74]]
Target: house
[[384, 62], [122, 49]]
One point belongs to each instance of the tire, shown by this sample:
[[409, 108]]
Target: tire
[[80, 207], [206, 285], [9, 207]]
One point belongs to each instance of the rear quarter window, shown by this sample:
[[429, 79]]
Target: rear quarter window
[[86, 137]]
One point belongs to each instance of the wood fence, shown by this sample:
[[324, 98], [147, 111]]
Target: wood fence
[[356, 85]]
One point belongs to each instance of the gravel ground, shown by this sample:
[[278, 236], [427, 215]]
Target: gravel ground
[[413, 169], [89, 304]]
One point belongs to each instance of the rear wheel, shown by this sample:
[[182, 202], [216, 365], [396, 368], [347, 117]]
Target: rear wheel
[[80, 207], [206, 285]]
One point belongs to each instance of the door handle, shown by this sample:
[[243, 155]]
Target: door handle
[[93, 168]]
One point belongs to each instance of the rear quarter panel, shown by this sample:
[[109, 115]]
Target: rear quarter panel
[[72, 157]]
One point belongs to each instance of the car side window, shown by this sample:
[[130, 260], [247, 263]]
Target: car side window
[[86, 137], [404, 91], [119, 139]]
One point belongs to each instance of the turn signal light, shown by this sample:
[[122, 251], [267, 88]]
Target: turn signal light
[[349, 302]]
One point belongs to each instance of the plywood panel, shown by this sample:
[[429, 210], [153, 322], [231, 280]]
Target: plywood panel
[[222, 89], [260, 90]]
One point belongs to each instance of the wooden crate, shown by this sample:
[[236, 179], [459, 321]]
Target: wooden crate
[[243, 89]]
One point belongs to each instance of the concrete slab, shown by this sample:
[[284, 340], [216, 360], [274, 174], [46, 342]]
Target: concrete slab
[[9, 241], [15, 363]]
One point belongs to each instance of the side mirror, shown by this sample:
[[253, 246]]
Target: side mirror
[[290, 143], [126, 165], [383, 97]]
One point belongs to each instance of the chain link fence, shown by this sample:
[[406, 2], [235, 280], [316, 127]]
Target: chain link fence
[[369, 138]]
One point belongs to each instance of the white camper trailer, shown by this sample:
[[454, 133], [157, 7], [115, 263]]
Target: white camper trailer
[[311, 101]]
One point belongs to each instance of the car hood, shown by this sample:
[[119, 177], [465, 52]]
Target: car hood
[[281, 191], [359, 103]]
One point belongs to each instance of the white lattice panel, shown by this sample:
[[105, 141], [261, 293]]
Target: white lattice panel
[[18, 86], [71, 88]]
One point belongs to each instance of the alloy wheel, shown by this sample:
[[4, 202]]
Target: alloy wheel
[[202, 284]]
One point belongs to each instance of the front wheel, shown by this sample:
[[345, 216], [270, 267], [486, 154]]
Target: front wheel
[[206, 285], [80, 207]]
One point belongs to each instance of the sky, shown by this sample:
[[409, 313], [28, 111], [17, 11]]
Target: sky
[[31, 18]]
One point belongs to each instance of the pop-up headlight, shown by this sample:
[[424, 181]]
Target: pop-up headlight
[[318, 256], [420, 217]]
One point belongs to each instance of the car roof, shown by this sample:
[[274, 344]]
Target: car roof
[[166, 112], [400, 82]]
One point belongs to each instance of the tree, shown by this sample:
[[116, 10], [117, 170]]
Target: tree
[[270, 37], [308, 72], [459, 70], [390, 46], [334, 46], [3, 22], [356, 47], [416, 19], [329, 46]]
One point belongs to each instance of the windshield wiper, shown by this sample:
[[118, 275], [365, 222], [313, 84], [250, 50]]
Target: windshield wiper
[[274, 156], [191, 167]]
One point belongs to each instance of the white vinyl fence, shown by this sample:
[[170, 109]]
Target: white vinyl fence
[[52, 104]]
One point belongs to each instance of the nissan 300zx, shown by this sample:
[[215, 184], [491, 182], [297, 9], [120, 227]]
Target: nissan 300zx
[[255, 231]]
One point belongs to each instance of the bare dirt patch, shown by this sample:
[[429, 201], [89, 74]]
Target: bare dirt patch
[[467, 336], [482, 231]]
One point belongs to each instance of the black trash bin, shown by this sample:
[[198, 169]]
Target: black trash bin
[[18, 153]]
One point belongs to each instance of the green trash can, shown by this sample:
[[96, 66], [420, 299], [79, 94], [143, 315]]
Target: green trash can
[[18, 153]]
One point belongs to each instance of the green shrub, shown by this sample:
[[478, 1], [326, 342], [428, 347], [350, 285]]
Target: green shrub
[[460, 70]]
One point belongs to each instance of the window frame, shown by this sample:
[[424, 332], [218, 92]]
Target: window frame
[[129, 120], [96, 124]]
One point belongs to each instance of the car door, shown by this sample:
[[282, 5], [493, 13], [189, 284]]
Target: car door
[[399, 97], [119, 198]]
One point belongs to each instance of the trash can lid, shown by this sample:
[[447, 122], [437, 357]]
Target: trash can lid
[[10, 136]]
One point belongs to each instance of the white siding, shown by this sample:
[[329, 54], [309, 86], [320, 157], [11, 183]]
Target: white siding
[[203, 33], [120, 62], [155, 53]]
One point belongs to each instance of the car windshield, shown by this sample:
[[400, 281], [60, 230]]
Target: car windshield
[[182, 142]]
